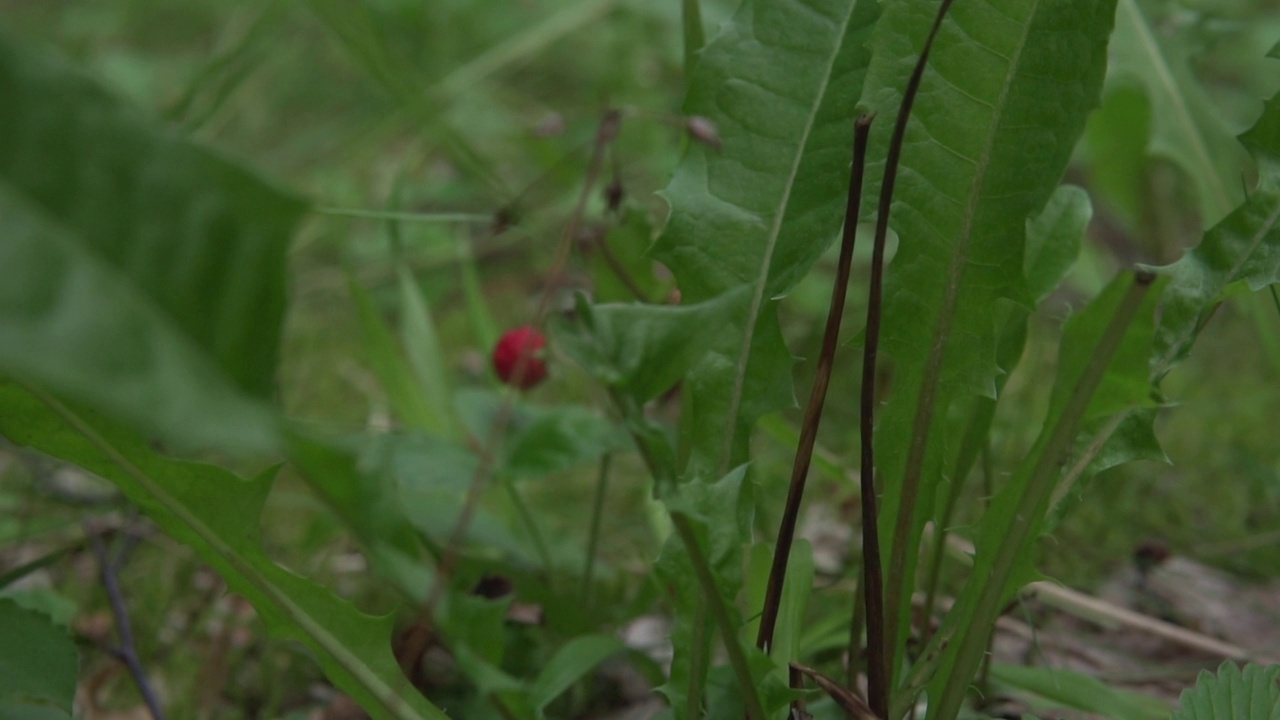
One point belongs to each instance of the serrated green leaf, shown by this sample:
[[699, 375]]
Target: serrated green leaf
[[1000, 107], [217, 514], [779, 82], [644, 350], [1185, 128], [140, 273], [38, 663], [720, 513], [1243, 249], [1232, 694]]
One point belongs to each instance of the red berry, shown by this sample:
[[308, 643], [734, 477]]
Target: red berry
[[518, 357]]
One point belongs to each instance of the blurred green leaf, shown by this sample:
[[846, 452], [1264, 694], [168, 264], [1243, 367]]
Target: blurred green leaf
[[217, 514], [139, 273], [27, 711], [412, 405], [426, 356], [539, 441], [570, 663], [479, 623], [1185, 126], [431, 478], [779, 82], [1115, 148], [1232, 694], [644, 350], [1054, 689], [38, 662]]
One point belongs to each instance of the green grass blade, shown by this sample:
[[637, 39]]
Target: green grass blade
[[425, 354], [1102, 371], [411, 403], [1242, 251]]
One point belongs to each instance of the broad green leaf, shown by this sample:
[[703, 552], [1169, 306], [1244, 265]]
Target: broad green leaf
[[1241, 251], [779, 82], [1054, 689], [1185, 126], [644, 350], [408, 398], [217, 514], [140, 273], [38, 663], [570, 663], [1000, 107], [1104, 349], [1232, 694]]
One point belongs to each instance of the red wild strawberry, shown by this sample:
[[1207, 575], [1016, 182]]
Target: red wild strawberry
[[518, 357]]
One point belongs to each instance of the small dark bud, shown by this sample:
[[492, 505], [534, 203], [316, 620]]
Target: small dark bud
[[613, 194]]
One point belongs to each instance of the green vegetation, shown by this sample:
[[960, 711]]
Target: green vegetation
[[255, 258]]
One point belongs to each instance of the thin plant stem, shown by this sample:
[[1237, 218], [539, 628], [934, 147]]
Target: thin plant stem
[[128, 650], [444, 217], [817, 395], [607, 132], [882, 625], [720, 614], [593, 535], [530, 524]]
